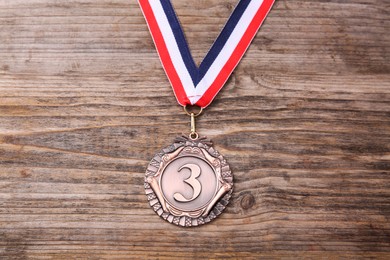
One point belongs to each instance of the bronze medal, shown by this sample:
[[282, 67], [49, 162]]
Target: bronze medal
[[188, 183]]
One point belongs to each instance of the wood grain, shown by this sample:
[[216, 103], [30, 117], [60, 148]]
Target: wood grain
[[304, 122]]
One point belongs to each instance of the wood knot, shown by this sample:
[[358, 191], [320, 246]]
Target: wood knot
[[24, 173], [247, 201], [5, 68]]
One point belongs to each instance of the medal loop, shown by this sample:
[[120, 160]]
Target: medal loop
[[193, 134], [186, 110]]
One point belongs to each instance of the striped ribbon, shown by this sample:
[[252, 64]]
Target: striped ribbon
[[191, 84]]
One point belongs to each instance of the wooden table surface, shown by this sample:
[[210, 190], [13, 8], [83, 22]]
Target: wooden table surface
[[304, 122]]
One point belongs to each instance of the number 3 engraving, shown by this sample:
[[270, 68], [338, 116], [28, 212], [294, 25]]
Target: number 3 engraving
[[192, 181]]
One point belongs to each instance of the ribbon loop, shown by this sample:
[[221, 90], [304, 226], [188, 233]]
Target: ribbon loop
[[194, 85]]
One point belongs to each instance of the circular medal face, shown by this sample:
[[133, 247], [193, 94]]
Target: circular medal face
[[188, 183]]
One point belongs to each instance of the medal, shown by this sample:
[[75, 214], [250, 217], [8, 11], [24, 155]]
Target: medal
[[189, 183]]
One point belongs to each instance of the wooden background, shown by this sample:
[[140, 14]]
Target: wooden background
[[304, 122]]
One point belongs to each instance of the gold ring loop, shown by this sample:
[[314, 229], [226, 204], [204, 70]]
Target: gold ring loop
[[194, 114], [194, 135]]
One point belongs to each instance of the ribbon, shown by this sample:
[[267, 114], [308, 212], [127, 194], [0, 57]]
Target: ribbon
[[191, 84]]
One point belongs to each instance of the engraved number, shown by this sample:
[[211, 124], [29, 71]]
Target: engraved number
[[192, 181]]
